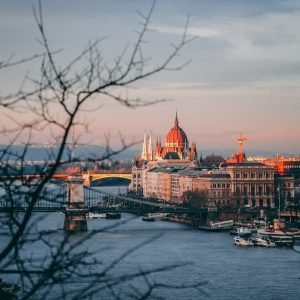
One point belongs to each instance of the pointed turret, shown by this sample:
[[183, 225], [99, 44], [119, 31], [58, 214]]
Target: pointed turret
[[157, 148], [150, 149], [144, 155], [193, 152], [176, 120]]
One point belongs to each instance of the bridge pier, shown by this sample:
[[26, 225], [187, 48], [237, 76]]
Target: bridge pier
[[75, 212]]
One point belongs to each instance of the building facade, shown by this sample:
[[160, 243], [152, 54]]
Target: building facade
[[244, 184], [252, 184], [176, 146], [175, 153], [169, 172]]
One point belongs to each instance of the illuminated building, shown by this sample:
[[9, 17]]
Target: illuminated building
[[175, 153], [285, 165], [176, 146]]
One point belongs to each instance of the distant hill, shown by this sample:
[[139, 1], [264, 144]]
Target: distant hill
[[40, 152], [43, 152]]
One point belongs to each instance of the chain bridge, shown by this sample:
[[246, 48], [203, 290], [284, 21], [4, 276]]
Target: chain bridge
[[55, 200]]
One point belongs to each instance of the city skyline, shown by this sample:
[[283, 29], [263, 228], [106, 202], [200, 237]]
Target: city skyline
[[242, 78]]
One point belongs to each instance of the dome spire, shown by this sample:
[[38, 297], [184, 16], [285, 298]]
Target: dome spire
[[176, 120]]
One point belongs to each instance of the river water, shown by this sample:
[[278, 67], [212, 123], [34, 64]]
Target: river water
[[222, 270]]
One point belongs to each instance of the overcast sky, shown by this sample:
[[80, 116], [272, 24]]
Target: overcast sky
[[243, 76]]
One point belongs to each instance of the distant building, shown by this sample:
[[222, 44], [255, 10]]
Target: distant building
[[285, 166], [216, 185], [212, 161], [175, 153], [136, 184], [169, 172], [252, 183], [285, 191], [176, 146]]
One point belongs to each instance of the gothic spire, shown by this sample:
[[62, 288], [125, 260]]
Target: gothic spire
[[176, 120], [144, 155], [150, 149]]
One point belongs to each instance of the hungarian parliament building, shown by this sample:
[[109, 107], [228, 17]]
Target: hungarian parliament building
[[169, 172]]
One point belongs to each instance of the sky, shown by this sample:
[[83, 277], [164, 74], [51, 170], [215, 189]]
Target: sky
[[243, 75]]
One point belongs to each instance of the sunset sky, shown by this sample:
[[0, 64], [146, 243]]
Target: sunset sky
[[244, 74]]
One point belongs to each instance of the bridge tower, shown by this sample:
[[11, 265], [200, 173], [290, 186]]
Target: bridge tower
[[75, 212]]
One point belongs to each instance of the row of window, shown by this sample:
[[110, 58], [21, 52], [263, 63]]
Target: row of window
[[253, 191], [219, 194], [220, 185], [252, 175], [253, 202]]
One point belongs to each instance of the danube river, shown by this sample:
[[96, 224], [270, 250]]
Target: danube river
[[224, 271]]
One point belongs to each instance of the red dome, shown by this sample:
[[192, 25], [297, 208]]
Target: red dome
[[176, 137]]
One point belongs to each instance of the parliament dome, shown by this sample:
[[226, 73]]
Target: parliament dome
[[176, 137]]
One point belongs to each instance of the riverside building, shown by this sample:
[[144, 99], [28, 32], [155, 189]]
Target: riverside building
[[170, 171], [176, 152]]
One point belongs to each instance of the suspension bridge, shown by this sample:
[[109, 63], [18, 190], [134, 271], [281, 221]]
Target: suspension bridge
[[55, 200]]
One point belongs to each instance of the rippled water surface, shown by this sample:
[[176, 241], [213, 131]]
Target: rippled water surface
[[225, 271]]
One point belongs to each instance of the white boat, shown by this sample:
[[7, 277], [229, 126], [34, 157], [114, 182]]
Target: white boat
[[280, 238], [242, 232], [218, 226], [96, 215], [263, 242], [242, 242]]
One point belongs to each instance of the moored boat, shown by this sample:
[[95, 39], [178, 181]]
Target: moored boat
[[113, 215], [239, 241], [96, 215], [263, 241], [218, 226], [242, 232], [279, 237]]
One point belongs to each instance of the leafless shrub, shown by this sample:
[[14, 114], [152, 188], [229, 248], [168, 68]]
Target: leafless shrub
[[54, 101]]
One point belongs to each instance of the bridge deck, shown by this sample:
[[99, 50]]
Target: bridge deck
[[107, 210], [140, 206], [138, 201]]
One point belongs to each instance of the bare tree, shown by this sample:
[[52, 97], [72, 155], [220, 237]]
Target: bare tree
[[54, 101], [195, 199]]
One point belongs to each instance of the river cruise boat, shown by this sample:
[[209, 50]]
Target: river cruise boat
[[280, 238], [239, 241], [263, 241]]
